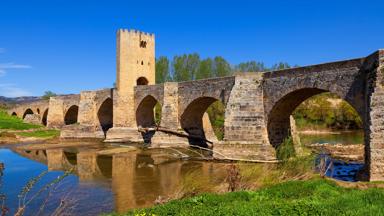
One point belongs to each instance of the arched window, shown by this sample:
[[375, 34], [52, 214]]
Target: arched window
[[142, 81]]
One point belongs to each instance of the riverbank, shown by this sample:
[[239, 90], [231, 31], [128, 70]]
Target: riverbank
[[15, 130], [311, 197], [29, 136]]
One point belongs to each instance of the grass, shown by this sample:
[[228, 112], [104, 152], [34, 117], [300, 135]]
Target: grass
[[14, 123], [40, 133], [311, 197], [8, 122]]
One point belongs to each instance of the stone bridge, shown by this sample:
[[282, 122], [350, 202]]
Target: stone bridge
[[257, 105]]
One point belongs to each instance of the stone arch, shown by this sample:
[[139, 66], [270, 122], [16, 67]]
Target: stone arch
[[14, 114], [278, 125], [142, 81], [105, 114], [71, 115], [27, 112], [145, 116], [193, 123], [44, 117]]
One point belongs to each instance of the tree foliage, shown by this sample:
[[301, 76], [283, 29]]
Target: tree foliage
[[48, 94]]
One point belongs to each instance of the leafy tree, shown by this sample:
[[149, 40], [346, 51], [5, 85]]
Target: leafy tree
[[205, 69], [250, 66], [179, 71], [185, 67], [162, 70], [48, 94], [280, 66], [221, 67]]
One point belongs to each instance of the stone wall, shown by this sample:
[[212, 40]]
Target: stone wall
[[58, 107], [245, 134], [374, 129], [286, 89], [39, 110]]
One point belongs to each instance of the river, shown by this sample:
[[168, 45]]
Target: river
[[105, 180]]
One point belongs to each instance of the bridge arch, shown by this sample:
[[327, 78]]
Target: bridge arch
[[105, 114], [147, 117], [27, 112], [71, 115], [145, 112], [193, 122], [14, 114], [44, 117], [278, 125]]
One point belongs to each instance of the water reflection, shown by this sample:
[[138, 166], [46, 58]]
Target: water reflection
[[353, 137], [134, 178], [122, 178]]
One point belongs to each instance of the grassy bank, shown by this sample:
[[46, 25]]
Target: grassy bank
[[311, 197], [40, 133], [14, 123], [14, 129]]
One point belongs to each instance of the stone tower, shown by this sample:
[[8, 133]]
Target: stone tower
[[135, 60], [135, 52]]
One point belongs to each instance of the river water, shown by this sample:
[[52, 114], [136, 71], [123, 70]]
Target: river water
[[107, 178]]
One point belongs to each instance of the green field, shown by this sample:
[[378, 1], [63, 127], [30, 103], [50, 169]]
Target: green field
[[14, 123], [311, 197]]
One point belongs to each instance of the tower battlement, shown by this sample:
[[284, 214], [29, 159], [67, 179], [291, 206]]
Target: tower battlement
[[136, 33]]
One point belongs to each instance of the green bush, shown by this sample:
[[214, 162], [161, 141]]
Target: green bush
[[312, 197], [286, 150]]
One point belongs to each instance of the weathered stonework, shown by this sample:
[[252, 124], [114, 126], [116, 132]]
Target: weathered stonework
[[32, 118], [295, 137], [95, 116], [257, 105], [245, 134], [374, 132]]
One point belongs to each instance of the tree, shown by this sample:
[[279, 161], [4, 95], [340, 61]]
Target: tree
[[205, 69], [185, 67], [162, 70], [250, 66], [221, 67], [48, 94], [280, 66]]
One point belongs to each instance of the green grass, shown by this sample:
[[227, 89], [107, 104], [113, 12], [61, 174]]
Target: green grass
[[40, 133], [14, 123], [311, 197]]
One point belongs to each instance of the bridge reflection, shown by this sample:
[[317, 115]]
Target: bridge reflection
[[137, 178]]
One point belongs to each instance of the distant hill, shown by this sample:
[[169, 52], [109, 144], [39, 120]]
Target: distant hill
[[6, 101]]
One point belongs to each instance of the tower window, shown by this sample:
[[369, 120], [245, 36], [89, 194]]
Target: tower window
[[142, 63], [143, 44], [142, 81]]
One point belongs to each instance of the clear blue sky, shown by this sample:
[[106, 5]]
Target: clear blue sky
[[68, 46]]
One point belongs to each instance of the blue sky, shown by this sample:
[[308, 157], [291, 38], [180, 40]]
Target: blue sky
[[69, 46]]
